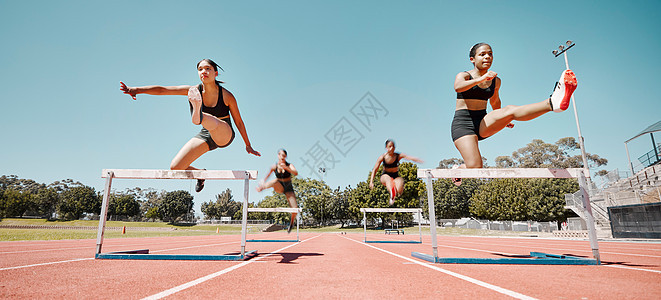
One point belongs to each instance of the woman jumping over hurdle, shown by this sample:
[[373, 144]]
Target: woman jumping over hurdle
[[282, 183], [211, 106], [390, 177], [479, 86]]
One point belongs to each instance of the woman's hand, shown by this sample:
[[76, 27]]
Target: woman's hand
[[252, 151], [371, 185], [489, 75], [127, 90]]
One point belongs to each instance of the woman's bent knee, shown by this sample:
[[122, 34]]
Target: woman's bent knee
[[473, 164]]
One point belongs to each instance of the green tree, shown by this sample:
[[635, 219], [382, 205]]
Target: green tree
[[77, 201], [451, 201], [175, 206], [152, 213], [224, 206], [339, 206], [251, 216], [149, 202], [123, 205], [24, 185], [275, 200], [313, 197], [522, 199], [46, 202], [547, 199], [15, 203], [565, 153]]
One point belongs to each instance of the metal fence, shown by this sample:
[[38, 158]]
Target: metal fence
[[636, 221], [532, 226]]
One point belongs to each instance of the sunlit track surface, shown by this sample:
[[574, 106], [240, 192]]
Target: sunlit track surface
[[327, 265]]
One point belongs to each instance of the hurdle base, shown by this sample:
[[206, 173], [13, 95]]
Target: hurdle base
[[144, 255], [394, 242], [272, 241], [537, 258]]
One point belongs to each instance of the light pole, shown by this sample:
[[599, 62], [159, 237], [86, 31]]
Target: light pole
[[323, 200], [562, 49]]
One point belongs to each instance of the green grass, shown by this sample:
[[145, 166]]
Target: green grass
[[7, 234]]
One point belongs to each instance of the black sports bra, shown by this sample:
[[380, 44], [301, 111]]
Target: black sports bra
[[477, 92], [394, 164], [220, 110], [283, 175]]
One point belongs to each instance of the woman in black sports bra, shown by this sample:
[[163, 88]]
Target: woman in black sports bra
[[282, 184], [390, 175], [479, 86], [211, 106]]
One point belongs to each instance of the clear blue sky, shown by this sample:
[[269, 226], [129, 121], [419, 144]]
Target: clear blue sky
[[297, 68]]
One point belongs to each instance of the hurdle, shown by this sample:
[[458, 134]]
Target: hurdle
[[278, 209], [110, 174], [535, 257], [366, 210]]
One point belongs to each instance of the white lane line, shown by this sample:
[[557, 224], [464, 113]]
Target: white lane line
[[195, 282], [91, 248], [46, 264], [632, 268], [92, 258], [457, 275]]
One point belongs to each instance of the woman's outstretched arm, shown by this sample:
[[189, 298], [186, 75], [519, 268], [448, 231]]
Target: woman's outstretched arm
[[154, 90], [236, 116], [376, 167], [411, 158]]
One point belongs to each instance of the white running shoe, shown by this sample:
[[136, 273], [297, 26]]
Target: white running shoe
[[195, 99], [563, 91]]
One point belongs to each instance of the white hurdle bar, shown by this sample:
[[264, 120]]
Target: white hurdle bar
[[366, 210], [109, 174], [578, 173], [296, 210]]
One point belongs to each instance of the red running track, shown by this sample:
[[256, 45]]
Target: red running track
[[327, 265]]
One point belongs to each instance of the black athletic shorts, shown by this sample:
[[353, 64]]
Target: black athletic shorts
[[287, 186], [467, 122], [206, 136]]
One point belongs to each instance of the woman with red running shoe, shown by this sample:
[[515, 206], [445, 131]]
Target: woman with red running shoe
[[479, 86], [390, 177]]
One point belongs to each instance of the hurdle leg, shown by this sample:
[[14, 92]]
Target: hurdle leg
[[244, 223], [420, 225], [432, 214], [592, 232], [298, 221], [364, 227], [104, 212]]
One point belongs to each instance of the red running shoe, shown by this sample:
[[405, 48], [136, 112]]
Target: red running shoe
[[563, 91]]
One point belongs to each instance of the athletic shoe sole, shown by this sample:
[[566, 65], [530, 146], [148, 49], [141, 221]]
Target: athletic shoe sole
[[195, 98], [568, 79]]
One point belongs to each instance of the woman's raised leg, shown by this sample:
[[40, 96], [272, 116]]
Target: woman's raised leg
[[220, 131], [399, 185], [498, 119]]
